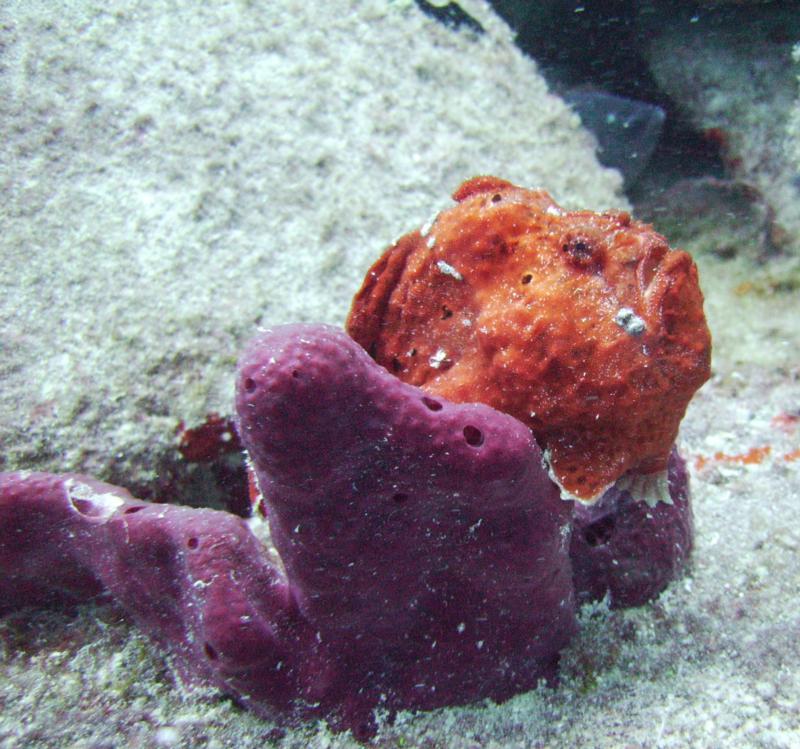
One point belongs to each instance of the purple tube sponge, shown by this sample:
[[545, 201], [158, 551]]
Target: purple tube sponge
[[426, 559], [197, 581], [422, 539], [43, 539], [424, 551]]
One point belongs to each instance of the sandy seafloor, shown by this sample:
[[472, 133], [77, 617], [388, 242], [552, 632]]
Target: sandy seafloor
[[173, 177]]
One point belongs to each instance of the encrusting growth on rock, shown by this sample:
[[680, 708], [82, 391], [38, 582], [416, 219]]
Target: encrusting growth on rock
[[585, 326]]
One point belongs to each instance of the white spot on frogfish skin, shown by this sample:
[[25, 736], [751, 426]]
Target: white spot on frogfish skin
[[449, 270], [630, 322], [428, 225], [438, 358]]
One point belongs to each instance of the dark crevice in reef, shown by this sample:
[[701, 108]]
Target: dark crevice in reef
[[218, 482], [451, 15], [601, 47]]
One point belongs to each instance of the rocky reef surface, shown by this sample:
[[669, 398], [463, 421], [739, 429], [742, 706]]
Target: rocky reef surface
[[172, 180], [175, 176]]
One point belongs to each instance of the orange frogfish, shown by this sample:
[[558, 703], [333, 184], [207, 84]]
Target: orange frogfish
[[585, 326]]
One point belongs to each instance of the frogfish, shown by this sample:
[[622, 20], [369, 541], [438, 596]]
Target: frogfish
[[585, 326]]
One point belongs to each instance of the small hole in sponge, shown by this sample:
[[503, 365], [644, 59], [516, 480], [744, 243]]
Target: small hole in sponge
[[527, 278], [399, 498], [497, 197], [473, 435], [249, 384], [599, 532], [210, 652], [432, 404], [295, 374], [131, 510], [193, 543]]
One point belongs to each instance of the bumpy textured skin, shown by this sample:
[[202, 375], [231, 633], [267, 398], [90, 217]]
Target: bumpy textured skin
[[425, 552], [630, 551], [584, 326]]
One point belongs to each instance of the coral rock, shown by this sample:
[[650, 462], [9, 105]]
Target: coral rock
[[586, 327]]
